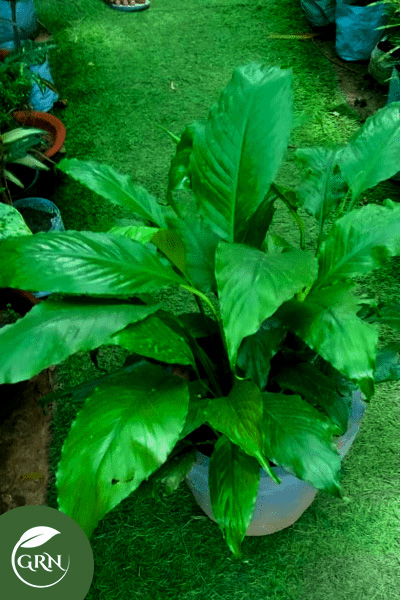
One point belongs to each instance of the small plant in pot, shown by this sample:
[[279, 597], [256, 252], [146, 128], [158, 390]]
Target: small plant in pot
[[16, 147], [386, 53], [278, 326]]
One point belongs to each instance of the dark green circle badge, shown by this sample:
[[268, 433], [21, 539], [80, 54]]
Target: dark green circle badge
[[43, 554]]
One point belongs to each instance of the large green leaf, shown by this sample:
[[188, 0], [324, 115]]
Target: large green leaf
[[153, 338], [327, 321], [318, 389], [238, 152], [53, 330], [239, 417], [252, 285], [83, 263], [258, 224], [372, 153], [234, 477], [123, 434], [359, 242], [299, 438], [115, 187], [196, 415], [322, 186], [256, 351]]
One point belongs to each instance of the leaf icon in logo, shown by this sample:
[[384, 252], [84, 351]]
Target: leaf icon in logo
[[36, 536]]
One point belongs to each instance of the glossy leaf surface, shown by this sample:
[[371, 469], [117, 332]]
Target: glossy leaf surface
[[372, 153], [327, 321], [299, 438], [83, 263], [239, 416], [153, 338], [123, 434], [234, 479], [252, 285], [115, 187], [237, 153], [358, 242], [52, 331]]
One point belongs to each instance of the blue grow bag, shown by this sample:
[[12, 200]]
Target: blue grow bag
[[320, 13], [356, 33]]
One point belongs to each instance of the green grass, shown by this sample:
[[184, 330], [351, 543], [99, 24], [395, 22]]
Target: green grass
[[116, 70]]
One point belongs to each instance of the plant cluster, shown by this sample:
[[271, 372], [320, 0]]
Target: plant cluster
[[16, 79], [280, 338]]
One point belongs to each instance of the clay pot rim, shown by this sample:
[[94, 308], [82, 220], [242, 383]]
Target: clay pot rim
[[46, 121]]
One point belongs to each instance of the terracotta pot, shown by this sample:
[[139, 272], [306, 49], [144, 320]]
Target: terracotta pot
[[42, 120], [4, 53], [278, 506]]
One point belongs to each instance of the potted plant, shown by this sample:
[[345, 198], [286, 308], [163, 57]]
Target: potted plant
[[358, 24], [386, 53], [15, 148], [320, 13], [268, 363], [28, 63]]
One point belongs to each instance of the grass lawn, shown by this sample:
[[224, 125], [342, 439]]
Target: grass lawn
[[124, 75]]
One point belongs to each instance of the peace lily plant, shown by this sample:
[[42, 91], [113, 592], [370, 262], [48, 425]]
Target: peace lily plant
[[279, 329]]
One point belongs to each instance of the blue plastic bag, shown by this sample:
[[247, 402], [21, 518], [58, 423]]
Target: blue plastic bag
[[356, 33], [319, 12], [39, 100], [26, 22]]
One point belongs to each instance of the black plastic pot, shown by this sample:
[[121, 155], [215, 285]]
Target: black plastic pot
[[356, 29]]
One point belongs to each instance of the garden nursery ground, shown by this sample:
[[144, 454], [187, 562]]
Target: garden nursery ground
[[127, 76]]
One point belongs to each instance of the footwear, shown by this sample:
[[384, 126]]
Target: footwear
[[136, 7]]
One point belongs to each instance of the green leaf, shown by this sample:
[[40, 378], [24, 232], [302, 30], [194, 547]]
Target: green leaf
[[179, 175], [115, 187], [239, 416], [153, 338], [238, 152], [234, 478], [170, 244], [256, 351], [197, 325], [200, 244], [388, 364], [123, 434], [132, 231], [252, 285], [318, 389], [83, 263], [275, 244], [372, 153], [359, 242], [327, 321], [299, 438], [58, 329], [322, 186], [259, 223], [196, 415], [11, 223]]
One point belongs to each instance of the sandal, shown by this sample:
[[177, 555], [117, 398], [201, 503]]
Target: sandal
[[127, 8]]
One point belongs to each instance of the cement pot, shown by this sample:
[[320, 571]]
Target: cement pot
[[278, 506]]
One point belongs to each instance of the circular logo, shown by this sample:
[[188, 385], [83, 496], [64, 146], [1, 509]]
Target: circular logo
[[43, 554]]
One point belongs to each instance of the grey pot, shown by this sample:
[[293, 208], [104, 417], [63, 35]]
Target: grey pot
[[380, 66], [278, 505]]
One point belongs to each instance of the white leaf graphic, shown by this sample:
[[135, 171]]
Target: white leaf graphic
[[36, 536]]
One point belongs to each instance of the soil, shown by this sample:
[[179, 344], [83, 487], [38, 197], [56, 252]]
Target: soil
[[37, 220], [25, 435]]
